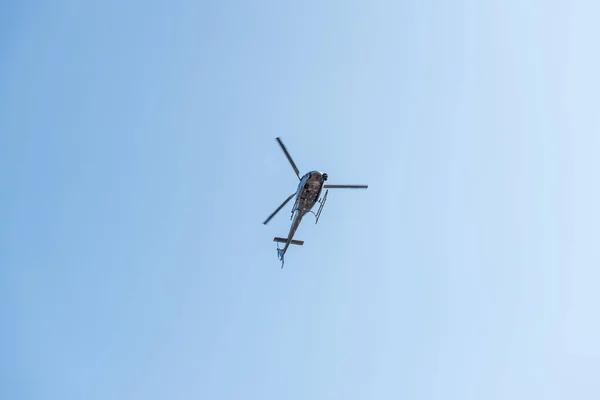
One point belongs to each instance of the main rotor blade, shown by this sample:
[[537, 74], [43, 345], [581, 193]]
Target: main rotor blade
[[345, 186], [289, 158], [280, 207]]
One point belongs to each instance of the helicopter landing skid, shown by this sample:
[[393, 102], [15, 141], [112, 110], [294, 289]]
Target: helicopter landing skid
[[322, 204]]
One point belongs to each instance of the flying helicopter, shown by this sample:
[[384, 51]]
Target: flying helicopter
[[307, 196]]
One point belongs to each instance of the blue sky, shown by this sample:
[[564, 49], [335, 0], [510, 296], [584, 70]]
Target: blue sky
[[138, 161]]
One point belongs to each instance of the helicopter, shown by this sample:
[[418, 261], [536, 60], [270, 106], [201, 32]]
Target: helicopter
[[307, 196]]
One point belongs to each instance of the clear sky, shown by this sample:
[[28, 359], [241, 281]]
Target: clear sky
[[138, 161]]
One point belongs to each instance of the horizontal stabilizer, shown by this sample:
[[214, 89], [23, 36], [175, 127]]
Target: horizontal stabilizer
[[282, 240]]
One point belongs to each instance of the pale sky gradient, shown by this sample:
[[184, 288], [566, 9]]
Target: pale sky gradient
[[138, 161]]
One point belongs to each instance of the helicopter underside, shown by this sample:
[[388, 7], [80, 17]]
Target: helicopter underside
[[307, 195], [310, 191]]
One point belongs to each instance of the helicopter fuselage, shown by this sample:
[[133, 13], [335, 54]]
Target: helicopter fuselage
[[307, 195], [308, 192]]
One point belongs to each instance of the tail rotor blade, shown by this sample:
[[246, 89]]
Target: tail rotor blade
[[345, 186], [279, 208], [289, 157]]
